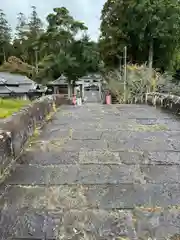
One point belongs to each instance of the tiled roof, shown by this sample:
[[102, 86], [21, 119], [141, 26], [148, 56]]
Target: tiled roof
[[61, 80], [24, 84], [20, 89], [10, 78], [4, 90]]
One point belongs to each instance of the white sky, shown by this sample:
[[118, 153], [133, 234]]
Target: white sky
[[88, 11]]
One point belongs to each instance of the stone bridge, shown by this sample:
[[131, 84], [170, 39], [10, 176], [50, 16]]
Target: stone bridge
[[97, 172]]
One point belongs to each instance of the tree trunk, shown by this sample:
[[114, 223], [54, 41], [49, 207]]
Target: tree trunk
[[36, 61], [150, 62], [69, 89], [4, 54]]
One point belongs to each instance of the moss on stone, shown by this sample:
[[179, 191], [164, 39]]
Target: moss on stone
[[151, 128]]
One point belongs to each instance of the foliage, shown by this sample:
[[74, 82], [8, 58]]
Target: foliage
[[64, 54], [15, 65], [44, 54], [166, 84], [9, 106], [27, 35], [137, 24], [137, 83], [5, 37]]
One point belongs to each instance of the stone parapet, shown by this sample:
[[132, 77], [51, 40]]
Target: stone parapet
[[165, 101], [16, 130]]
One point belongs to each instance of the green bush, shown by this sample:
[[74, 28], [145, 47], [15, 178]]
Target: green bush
[[138, 83]]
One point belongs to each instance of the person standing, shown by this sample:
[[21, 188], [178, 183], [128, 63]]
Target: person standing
[[78, 98]]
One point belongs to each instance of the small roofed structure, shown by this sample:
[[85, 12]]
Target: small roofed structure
[[58, 86]]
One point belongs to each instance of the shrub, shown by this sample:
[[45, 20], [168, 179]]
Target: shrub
[[138, 83]]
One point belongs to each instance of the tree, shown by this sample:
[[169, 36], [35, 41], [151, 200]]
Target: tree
[[35, 24], [5, 37], [57, 45], [149, 27], [35, 30], [19, 42], [21, 28], [55, 50], [27, 36]]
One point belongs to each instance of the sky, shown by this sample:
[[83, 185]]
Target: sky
[[88, 11]]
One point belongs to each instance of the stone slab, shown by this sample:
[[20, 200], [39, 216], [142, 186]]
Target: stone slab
[[129, 157], [39, 175], [163, 158], [75, 174], [26, 224], [122, 196], [99, 224], [53, 133], [86, 135], [77, 145], [137, 134], [132, 157], [90, 224], [140, 145], [37, 156], [161, 174], [158, 224], [99, 157]]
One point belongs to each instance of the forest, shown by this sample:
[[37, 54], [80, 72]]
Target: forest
[[150, 30], [44, 51]]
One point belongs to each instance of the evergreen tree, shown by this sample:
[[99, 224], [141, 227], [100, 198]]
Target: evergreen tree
[[149, 28], [5, 37], [21, 28], [35, 24]]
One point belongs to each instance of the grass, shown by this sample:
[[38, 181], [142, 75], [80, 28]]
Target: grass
[[10, 106]]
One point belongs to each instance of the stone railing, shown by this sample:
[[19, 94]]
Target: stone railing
[[166, 101], [19, 128]]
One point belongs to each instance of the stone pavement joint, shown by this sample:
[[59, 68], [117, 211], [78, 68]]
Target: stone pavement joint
[[97, 172]]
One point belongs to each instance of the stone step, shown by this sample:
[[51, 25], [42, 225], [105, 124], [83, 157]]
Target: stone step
[[90, 224], [133, 144], [73, 224], [128, 157], [93, 174], [73, 174], [107, 196]]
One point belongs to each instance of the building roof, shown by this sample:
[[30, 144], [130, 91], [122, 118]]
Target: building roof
[[4, 90], [15, 83], [61, 80], [8, 90], [10, 78]]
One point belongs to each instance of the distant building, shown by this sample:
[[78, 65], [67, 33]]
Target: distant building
[[18, 86], [91, 81], [58, 86]]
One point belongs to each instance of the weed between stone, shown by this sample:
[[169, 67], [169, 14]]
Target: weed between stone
[[151, 128]]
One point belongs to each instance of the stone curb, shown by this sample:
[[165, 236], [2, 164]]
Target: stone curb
[[21, 126]]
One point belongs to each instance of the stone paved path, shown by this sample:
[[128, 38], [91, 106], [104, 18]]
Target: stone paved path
[[97, 172]]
